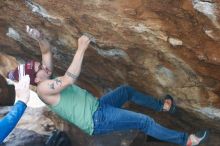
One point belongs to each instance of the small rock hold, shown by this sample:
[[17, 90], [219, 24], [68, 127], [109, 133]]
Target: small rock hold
[[175, 42], [91, 37], [212, 34], [13, 34]]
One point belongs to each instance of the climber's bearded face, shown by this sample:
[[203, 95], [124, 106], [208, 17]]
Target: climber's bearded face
[[7, 93], [42, 72]]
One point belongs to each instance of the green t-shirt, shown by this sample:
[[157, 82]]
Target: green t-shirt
[[77, 106]]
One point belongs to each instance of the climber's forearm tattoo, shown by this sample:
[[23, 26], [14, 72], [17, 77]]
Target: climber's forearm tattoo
[[51, 86], [58, 81], [71, 75]]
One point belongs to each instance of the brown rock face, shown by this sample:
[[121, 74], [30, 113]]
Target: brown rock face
[[160, 47], [7, 63]]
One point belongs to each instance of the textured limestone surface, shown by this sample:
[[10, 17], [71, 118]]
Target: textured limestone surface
[[157, 46]]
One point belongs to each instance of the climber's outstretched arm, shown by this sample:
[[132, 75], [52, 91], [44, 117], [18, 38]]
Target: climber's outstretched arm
[[52, 88], [45, 47], [47, 58]]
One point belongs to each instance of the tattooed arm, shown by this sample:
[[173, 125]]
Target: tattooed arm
[[55, 86]]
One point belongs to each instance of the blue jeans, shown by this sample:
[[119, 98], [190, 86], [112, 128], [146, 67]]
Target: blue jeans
[[110, 117]]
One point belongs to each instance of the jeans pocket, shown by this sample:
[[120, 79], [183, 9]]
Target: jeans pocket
[[98, 116], [97, 120]]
